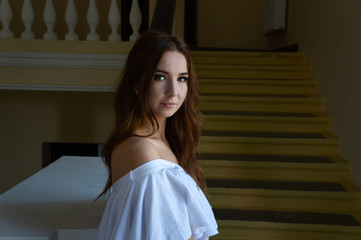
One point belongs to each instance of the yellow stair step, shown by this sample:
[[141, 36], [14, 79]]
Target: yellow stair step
[[257, 58], [253, 73], [257, 87], [285, 200], [266, 124], [253, 54], [230, 67], [258, 230], [248, 60], [268, 146], [275, 171], [261, 104]]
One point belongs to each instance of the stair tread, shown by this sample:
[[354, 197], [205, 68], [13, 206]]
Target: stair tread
[[279, 99], [262, 113], [275, 171], [264, 124], [246, 67], [264, 134], [259, 230], [285, 119], [286, 217], [242, 82], [214, 88], [272, 104], [210, 53], [275, 165], [276, 185], [276, 193], [283, 141], [267, 152], [253, 74], [270, 158]]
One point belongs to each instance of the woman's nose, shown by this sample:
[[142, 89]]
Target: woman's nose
[[171, 88]]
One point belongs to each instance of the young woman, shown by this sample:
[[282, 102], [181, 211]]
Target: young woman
[[155, 179]]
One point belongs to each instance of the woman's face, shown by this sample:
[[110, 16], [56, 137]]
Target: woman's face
[[169, 87]]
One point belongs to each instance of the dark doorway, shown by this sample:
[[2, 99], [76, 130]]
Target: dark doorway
[[190, 22], [53, 151]]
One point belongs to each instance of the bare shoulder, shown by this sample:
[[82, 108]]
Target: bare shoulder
[[130, 154], [136, 149]]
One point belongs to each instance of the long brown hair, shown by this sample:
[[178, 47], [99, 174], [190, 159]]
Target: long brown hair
[[183, 129]]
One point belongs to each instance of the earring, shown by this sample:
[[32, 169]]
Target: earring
[[136, 92]]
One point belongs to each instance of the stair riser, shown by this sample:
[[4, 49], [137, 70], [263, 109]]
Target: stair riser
[[252, 75], [293, 204], [265, 126], [269, 234], [268, 149], [276, 174], [261, 107], [248, 54], [263, 112], [283, 231], [249, 61], [247, 67], [241, 89]]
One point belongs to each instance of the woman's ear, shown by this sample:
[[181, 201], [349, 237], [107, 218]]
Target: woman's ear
[[136, 89]]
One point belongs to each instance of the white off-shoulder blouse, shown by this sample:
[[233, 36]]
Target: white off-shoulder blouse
[[157, 201]]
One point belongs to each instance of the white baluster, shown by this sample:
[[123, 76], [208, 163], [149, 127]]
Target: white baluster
[[114, 21], [27, 15], [71, 19], [6, 16], [49, 19], [135, 20], [93, 20]]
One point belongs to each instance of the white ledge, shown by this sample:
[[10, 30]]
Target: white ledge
[[62, 60], [56, 202], [63, 88]]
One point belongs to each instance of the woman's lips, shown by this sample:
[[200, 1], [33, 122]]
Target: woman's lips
[[169, 105]]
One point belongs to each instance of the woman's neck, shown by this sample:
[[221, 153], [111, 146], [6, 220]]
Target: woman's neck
[[146, 128]]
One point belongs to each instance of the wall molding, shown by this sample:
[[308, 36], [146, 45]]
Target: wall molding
[[62, 60], [61, 88]]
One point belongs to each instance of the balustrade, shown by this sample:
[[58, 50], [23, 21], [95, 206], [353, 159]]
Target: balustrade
[[6, 16], [27, 15], [70, 18]]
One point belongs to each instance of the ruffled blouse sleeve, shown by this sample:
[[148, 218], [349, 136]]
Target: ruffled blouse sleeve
[[157, 202], [173, 207]]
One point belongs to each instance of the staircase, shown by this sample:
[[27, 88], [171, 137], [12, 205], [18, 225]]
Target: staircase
[[272, 165]]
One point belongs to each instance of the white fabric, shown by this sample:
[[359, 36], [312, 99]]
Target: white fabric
[[157, 200]]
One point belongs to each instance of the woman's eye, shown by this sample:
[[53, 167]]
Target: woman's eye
[[159, 77], [182, 79]]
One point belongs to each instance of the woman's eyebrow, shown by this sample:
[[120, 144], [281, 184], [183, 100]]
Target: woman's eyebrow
[[185, 73], [165, 72], [162, 71]]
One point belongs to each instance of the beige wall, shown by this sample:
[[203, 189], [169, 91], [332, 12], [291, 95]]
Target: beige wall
[[330, 33], [231, 24], [29, 118]]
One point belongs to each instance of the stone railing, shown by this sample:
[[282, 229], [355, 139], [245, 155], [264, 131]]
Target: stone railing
[[27, 21], [70, 45]]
